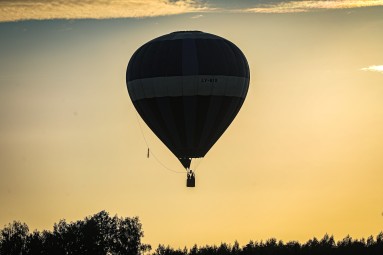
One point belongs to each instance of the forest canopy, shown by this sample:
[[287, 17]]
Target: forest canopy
[[102, 234], [97, 234]]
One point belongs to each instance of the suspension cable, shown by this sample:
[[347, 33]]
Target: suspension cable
[[151, 151]]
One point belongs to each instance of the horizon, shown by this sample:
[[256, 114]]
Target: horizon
[[106, 222]]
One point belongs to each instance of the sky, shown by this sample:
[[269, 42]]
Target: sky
[[302, 158]]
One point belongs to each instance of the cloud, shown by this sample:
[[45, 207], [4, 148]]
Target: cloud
[[96, 9], [197, 16], [374, 69], [13, 10], [306, 6]]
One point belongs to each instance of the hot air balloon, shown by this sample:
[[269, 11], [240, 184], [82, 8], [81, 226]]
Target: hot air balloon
[[188, 86]]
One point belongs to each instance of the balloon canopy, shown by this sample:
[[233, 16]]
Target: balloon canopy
[[188, 87]]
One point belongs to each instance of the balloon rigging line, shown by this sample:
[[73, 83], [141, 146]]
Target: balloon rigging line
[[151, 151], [196, 164]]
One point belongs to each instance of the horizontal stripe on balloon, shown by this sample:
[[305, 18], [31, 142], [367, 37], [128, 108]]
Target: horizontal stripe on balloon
[[195, 85]]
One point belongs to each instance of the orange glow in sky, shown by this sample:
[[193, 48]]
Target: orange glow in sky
[[302, 158]]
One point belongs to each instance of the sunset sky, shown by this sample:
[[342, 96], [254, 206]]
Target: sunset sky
[[303, 158]]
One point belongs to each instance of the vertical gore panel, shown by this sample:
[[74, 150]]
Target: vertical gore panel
[[165, 108], [189, 57], [202, 103], [190, 111], [213, 108], [178, 117]]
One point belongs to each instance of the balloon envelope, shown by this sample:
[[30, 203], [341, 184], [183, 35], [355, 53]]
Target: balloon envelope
[[188, 87]]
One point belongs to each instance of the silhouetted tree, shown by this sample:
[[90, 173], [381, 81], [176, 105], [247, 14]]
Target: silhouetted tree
[[194, 250], [224, 249], [95, 235], [292, 248], [207, 250], [235, 250], [13, 238], [34, 244], [162, 250], [377, 246]]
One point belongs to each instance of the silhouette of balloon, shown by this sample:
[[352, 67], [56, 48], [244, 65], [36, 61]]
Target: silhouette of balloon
[[188, 87]]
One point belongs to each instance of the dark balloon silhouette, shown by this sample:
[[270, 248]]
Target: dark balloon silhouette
[[188, 87]]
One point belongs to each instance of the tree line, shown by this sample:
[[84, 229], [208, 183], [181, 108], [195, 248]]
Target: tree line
[[101, 234], [324, 246]]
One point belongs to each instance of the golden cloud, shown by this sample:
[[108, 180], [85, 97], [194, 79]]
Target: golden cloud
[[13, 10], [305, 6], [97, 9], [373, 69]]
